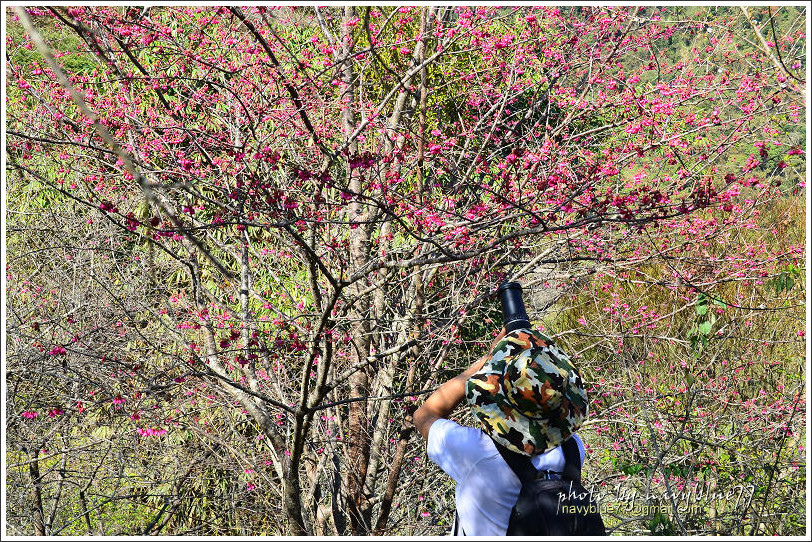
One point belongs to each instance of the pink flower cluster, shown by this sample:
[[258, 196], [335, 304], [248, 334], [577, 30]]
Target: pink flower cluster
[[149, 432]]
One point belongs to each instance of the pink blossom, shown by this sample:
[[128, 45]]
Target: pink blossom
[[150, 432]]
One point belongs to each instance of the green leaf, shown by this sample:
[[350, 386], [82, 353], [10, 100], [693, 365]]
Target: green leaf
[[785, 281], [701, 304], [660, 524], [705, 327]]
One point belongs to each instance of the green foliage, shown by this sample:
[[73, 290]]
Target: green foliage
[[661, 525], [786, 279], [703, 328]]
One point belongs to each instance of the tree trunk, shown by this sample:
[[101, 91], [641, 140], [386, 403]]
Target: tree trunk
[[38, 517]]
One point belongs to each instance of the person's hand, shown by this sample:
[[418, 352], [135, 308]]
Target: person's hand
[[442, 402]]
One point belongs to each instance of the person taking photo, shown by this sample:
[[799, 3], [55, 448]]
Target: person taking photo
[[529, 400]]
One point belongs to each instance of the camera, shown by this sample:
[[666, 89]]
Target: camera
[[513, 312]]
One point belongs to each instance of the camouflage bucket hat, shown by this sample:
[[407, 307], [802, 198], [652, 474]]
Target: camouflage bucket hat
[[528, 395]]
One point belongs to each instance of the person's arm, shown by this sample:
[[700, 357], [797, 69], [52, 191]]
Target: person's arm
[[445, 399]]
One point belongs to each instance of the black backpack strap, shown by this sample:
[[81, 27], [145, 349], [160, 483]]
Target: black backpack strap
[[523, 468], [520, 464], [572, 458]]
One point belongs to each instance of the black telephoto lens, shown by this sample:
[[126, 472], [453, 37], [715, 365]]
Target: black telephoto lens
[[513, 312]]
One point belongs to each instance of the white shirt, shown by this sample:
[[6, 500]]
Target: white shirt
[[487, 488]]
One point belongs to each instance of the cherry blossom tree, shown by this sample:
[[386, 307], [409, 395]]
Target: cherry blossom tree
[[259, 235]]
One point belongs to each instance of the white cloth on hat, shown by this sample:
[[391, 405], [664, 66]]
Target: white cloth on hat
[[487, 488]]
